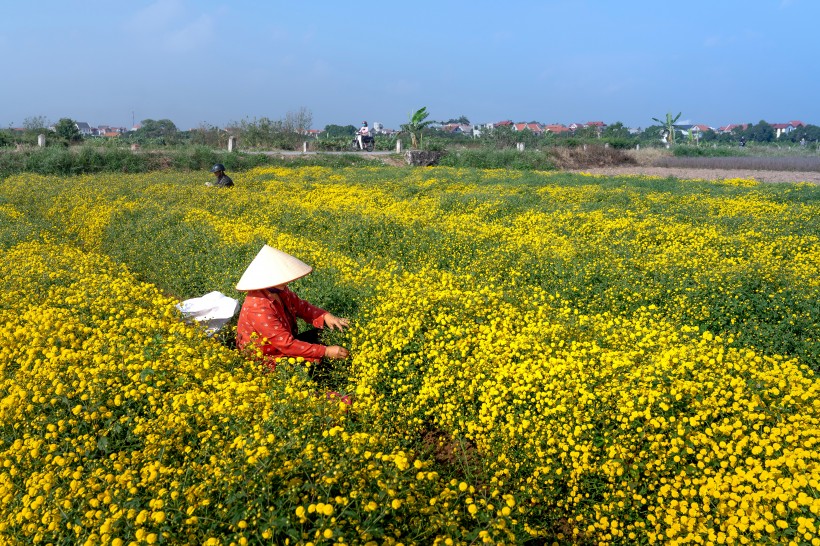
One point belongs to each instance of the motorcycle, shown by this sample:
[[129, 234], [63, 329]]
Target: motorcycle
[[368, 141]]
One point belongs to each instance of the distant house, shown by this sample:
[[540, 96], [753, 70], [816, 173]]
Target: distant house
[[534, 128], [786, 128], [732, 126], [779, 128], [457, 128], [696, 130], [84, 128], [557, 129], [505, 123], [109, 131], [599, 125]]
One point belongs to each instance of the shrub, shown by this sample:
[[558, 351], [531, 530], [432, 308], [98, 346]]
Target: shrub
[[498, 159], [705, 151]]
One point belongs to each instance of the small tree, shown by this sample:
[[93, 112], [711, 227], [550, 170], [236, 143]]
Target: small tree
[[616, 130], [338, 131], [150, 128], [669, 126], [416, 125], [35, 124], [298, 122], [67, 128]]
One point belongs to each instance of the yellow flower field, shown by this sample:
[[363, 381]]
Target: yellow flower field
[[535, 356]]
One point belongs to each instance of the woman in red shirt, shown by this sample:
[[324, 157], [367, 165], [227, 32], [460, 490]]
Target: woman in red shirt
[[267, 321]]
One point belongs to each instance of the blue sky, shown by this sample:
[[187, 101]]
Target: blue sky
[[553, 61]]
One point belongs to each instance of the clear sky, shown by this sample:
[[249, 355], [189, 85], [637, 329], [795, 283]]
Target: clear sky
[[552, 61]]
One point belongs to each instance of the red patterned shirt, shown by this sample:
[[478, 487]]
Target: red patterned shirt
[[272, 317]]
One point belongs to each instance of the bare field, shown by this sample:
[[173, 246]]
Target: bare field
[[655, 162], [690, 173]]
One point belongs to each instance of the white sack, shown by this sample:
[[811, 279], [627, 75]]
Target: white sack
[[213, 310]]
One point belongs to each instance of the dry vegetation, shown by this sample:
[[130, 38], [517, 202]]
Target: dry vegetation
[[590, 156]]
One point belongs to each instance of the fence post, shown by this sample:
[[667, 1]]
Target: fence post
[[637, 146], [304, 147], [231, 143], [41, 140], [398, 146], [519, 146]]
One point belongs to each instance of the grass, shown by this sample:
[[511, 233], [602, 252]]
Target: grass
[[768, 163], [91, 158]]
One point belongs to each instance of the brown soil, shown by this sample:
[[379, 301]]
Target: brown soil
[[458, 456], [643, 162], [706, 174]]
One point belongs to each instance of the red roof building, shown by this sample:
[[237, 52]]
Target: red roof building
[[557, 129], [534, 127]]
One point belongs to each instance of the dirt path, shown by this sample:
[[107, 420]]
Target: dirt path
[[707, 174]]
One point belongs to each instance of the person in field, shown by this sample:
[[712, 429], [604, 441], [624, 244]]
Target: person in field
[[222, 179], [267, 320]]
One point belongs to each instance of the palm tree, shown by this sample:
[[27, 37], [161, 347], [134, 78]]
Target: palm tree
[[670, 125], [416, 124]]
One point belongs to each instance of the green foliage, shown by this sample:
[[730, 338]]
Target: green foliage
[[811, 133], [208, 135], [67, 129], [759, 132], [704, 151], [287, 133], [616, 130], [461, 120], [505, 137], [336, 131], [498, 159], [416, 125], [669, 126], [267, 133], [587, 133], [150, 128]]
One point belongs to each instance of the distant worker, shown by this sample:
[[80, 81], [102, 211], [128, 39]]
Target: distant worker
[[268, 319], [362, 135], [742, 142], [222, 179]]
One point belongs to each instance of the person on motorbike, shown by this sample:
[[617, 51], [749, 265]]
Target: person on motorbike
[[362, 134]]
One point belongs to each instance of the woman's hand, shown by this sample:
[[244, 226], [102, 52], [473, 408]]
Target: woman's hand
[[335, 323], [336, 352]]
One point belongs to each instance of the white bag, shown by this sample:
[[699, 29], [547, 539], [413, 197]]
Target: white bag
[[213, 310]]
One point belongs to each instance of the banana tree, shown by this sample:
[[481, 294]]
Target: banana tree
[[670, 125], [416, 124]]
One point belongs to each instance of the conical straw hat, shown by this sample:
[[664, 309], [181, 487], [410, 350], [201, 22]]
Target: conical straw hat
[[272, 267]]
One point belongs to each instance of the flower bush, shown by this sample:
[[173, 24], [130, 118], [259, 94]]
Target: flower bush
[[535, 356]]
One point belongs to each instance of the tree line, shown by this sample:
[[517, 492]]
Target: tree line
[[290, 131]]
